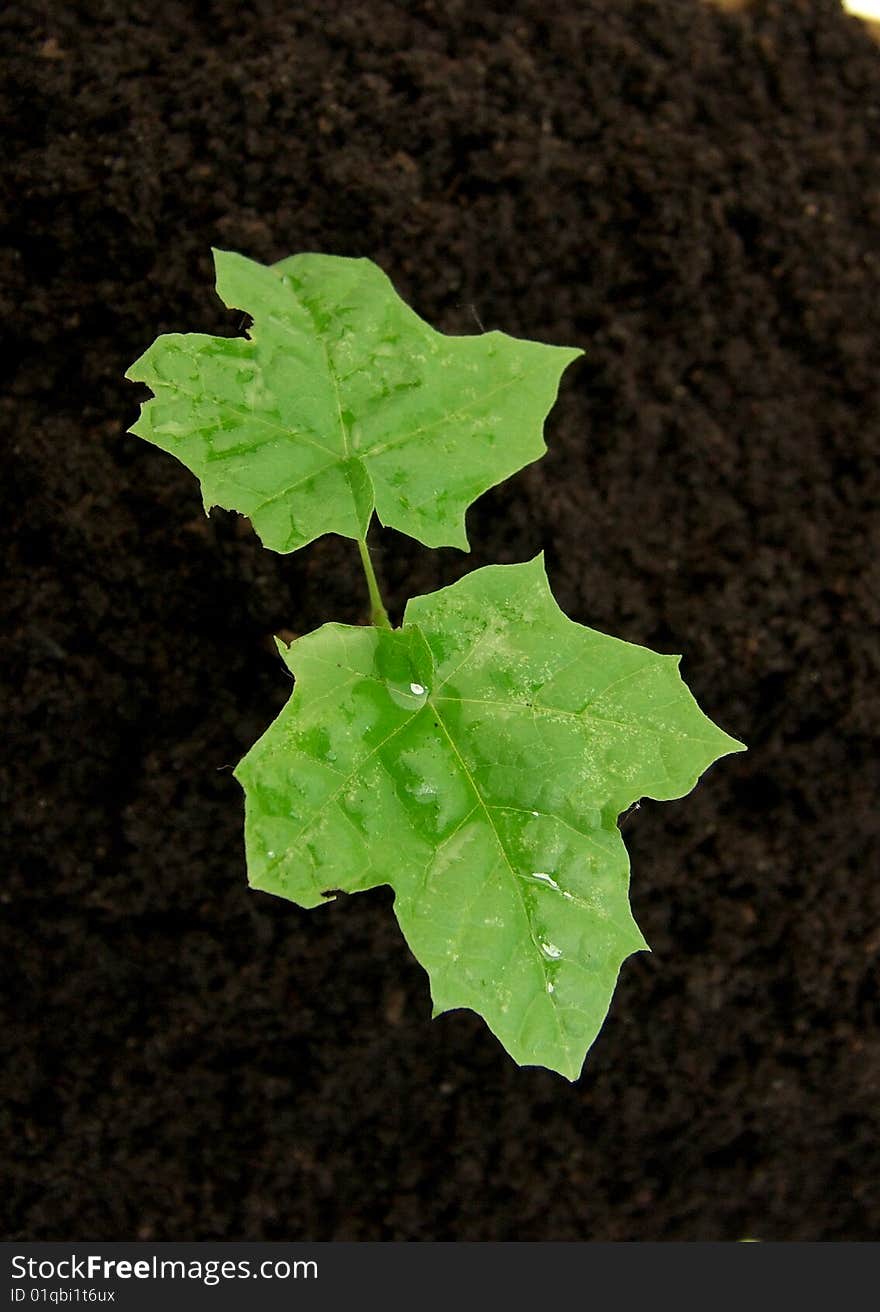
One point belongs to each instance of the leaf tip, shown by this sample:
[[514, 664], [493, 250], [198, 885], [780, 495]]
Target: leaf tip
[[456, 537], [135, 373], [641, 943], [285, 651], [537, 566], [220, 258]]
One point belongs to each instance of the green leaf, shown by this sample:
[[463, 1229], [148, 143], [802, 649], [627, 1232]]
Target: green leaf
[[477, 761], [343, 400]]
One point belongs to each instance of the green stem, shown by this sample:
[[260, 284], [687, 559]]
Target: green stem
[[379, 614]]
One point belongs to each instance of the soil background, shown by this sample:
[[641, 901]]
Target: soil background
[[694, 196]]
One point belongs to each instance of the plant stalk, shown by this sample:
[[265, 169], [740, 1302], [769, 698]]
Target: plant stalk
[[378, 613]]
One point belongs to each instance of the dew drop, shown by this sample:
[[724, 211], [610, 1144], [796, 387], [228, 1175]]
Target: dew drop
[[543, 878], [411, 696], [270, 855]]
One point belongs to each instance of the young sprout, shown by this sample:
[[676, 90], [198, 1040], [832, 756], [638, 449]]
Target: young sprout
[[477, 758]]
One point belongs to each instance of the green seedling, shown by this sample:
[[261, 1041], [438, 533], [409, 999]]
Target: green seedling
[[478, 757]]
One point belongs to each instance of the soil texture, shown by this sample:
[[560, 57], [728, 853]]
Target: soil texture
[[693, 196]]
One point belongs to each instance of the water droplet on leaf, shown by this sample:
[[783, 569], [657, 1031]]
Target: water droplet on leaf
[[410, 696], [543, 878]]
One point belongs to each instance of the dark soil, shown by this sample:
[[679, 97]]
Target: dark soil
[[695, 197]]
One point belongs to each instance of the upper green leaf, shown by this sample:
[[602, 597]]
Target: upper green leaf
[[342, 400], [477, 761]]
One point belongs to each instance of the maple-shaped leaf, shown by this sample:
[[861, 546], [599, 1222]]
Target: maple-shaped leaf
[[341, 400], [477, 760]]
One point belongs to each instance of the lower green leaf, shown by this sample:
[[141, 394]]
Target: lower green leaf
[[477, 761]]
